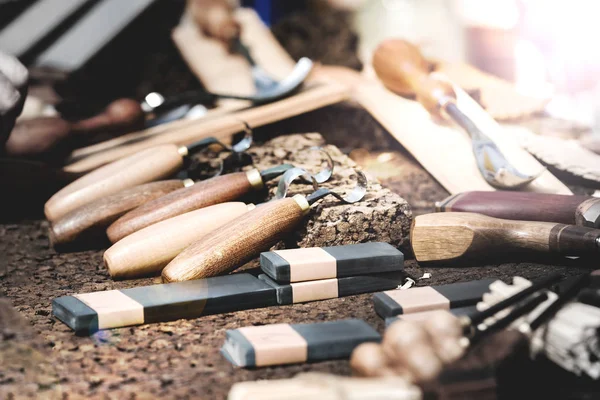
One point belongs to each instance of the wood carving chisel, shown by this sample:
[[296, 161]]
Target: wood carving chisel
[[215, 190], [152, 164], [148, 250], [458, 237], [90, 220], [245, 238], [527, 206]]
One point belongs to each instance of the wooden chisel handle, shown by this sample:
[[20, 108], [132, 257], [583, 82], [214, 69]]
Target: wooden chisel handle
[[527, 206], [402, 69], [206, 193], [155, 163], [237, 242], [147, 251], [215, 18], [93, 218], [457, 236]]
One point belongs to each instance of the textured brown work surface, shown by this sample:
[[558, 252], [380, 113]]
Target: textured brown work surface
[[180, 358]]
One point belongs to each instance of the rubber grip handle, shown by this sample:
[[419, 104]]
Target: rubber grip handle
[[458, 237], [237, 242], [206, 193], [149, 165], [92, 219], [147, 251]]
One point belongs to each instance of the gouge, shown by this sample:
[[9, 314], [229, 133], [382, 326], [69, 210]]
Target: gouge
[[527, 206], [149, 165], [458, 237], [243, 239], [90, 220], [147, 251], [402, 68]]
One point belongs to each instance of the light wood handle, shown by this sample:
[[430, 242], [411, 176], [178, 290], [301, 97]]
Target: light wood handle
[[221, 127], [92, 219], [206, 193], [215, 18], [147, 251], [458, 237], [152, 164], [237, 242], [402, 69], [525, 206]]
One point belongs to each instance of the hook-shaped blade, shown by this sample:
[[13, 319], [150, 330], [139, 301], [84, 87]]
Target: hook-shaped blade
[[496, 170], [245, 143], [355, 195], [492, 164], [325, 173], [290, 176]]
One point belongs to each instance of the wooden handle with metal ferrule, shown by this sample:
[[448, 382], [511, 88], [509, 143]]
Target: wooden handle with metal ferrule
[[237, 242], [456, 237], [147, 251], [525, 206], [206, 193], [93, 218], [403, 70], [149, 165]]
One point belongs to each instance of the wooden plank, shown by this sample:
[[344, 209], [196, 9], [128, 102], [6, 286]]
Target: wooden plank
[[221, 127], [445, 151]]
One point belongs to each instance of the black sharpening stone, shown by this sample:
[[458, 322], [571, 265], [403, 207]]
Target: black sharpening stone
[[428, 298], [301, 292], [258, 346], [90, 312], [306, 264]]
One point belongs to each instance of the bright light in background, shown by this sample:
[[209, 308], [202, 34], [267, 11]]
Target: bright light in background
[[530, 70], [500, 14]]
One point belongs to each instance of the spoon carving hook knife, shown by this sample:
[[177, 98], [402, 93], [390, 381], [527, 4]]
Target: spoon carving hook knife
[[403, 69], [220, 189], [243, 239]]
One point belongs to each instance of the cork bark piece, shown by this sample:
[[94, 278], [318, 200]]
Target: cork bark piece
[[382, 216]]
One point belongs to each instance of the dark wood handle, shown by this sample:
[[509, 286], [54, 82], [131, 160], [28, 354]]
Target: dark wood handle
[[237, 242], [456, 237], [215, 18], [47, 136], [120, 114], [402, 69], [524, 206], [93, 218], [216, 190]]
